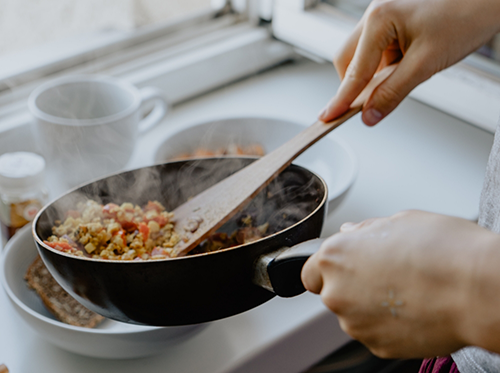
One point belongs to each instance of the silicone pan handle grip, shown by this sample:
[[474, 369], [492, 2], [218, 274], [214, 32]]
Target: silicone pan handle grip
[[280, 270]]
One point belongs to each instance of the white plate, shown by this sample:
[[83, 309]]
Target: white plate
[[331, 158], [111, 339]]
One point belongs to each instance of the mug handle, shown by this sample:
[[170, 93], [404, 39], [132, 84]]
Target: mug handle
[[159, 110]]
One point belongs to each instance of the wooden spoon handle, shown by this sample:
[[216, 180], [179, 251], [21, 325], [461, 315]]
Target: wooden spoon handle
[[209, 210]]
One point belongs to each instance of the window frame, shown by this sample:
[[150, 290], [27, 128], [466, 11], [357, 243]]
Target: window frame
[[38, 61], [230, 44]]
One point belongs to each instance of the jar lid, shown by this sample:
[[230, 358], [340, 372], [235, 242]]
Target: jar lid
[[21, 171]]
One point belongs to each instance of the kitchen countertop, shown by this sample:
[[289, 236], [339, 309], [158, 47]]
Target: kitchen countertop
[[417, 158]]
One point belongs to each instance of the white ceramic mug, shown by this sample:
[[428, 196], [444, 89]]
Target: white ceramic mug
[[87, 125]]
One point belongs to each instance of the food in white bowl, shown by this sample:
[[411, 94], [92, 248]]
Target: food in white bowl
[[62, 305], [110, 339], [229, 150], [331, 157]]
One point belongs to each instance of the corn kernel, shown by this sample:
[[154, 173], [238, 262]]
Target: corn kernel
[[89, 248], [153, 226]]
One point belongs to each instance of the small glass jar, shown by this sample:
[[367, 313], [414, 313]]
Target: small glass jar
[[22, 191]]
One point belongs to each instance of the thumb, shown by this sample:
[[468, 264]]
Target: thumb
[[411, 71]]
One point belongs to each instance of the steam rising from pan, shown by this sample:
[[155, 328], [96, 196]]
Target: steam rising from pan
[[331, 158], [286, 201]]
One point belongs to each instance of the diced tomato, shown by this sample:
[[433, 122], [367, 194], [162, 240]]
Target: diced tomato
[[144, 229], [110, 210], [129, 226], [62, 246], [73, 213], [160, 219], [122, 234], [153, 206]]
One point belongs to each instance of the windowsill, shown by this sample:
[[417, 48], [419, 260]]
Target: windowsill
[[37, 61], [38, 57], [183, 65]]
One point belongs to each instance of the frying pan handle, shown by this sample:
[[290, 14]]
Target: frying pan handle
[[279, 271]]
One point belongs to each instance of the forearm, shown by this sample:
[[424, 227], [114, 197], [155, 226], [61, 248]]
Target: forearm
[[480, 313], [494, 14]]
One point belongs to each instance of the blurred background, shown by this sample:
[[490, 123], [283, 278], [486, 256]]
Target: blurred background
[[357, 7], [31, 22]]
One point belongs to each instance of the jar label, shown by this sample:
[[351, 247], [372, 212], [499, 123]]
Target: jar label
[[30, 211], [22, 213]]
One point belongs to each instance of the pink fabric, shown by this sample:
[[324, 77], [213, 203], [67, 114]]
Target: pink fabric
[[438, 365]]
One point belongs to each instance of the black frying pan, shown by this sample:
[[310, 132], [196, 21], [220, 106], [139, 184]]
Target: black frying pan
[[200, 287]]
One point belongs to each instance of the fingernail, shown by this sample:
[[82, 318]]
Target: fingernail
[[372, 116], [346, 227], [322, 113]]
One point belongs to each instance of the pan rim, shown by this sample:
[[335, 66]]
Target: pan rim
[[40, 242]]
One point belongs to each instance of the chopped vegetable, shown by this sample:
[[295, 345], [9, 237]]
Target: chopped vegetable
[[63, 246]]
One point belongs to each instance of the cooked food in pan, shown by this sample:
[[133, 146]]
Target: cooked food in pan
[[129, 232], [125, 232]]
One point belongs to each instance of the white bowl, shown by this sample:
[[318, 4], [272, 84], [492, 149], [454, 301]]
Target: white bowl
[[111, 339], [331, 158]]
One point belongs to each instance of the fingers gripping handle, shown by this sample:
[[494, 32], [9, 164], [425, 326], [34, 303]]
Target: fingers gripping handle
[[279, 271], [284, 271]]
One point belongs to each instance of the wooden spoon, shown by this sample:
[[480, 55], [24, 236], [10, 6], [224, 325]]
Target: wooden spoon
[[205, 213]]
